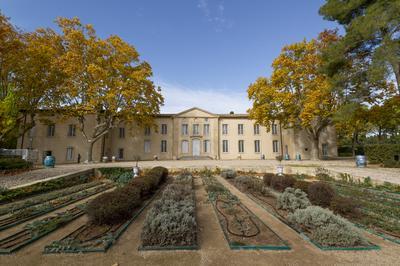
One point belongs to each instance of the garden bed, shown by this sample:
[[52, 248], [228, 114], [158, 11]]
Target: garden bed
[[15, 206], [9, 195], [31, 212], [106, 225], [380, 211], [242, 229], [171, 224], [37, 229], [267, 198]]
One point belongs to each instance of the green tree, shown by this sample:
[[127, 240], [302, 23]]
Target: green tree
[[372, 39], [297, 94], [105, 79], [351, 123]]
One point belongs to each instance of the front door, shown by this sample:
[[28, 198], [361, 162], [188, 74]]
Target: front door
[[196, 147]]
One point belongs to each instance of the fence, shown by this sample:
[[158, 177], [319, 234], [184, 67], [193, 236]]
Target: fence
[[26, 154]]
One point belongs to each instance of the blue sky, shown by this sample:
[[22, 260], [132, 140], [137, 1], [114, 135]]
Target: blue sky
[[204, 53]]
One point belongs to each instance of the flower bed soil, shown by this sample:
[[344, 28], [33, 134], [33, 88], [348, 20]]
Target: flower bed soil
[[242, 228], [37, 229], [96, 238], [269, 202], [40, 209]]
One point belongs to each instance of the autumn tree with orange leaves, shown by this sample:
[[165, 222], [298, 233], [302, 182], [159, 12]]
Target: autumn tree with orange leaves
[[105, 79], [297, 94]]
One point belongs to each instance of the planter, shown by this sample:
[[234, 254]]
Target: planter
[[49, 161], [361, 161]]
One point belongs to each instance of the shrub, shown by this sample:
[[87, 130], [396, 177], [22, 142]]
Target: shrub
[[245, 181], [320, 194], [228, 173], [114, 207], [302, 185], [124, 178], [177, 192], [292, 199], [345, 206], [170, 223], [8, 164], [385, 154], [326, 228], [160, 172], [280, 183], [142, 184], [267, 178], [184, 178], [323, 174]]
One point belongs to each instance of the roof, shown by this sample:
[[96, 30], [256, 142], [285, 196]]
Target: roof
[[228, 115]]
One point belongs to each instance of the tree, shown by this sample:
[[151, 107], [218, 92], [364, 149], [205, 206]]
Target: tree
[[104, 79], [297, 94], [10, 47], [372, 37], [386, 118], [351, 123], [36, 77]]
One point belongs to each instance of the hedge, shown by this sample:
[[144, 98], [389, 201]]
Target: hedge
[[385, 154], [8, 164], [117, 206]]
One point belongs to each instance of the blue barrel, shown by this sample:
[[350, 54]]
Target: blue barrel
[[49, 161], [361, 161]]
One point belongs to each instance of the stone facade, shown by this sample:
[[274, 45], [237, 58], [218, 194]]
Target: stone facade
[[194, 133]]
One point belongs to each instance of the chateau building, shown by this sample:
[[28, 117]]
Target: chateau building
[[191, 134]]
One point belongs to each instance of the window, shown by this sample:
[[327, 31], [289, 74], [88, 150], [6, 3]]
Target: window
[[195, 129], [207, 146], [324, 149], [241, 146], [71, 130], [256, 129], [50, 130], [257, 146], [225, 146], [275, 146], [206, 129], [147, 131], [224, 129], [185, 146], [164, 129], [121, 132], [120, 153], [70, 153], [274, 129], [163, 146], [240, 129], [147, 146], [185, 129]]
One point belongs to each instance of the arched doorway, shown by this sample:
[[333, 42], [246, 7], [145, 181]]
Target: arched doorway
[[196, 147]]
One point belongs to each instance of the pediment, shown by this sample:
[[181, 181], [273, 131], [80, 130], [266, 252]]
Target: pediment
[[195, 112]]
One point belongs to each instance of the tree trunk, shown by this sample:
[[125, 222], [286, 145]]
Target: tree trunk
[[90, 151], [314, 148], [23, 133]]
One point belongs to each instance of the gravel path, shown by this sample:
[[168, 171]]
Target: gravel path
[[376, 173]]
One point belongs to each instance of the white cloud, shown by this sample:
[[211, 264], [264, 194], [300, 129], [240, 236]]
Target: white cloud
[[179, 98], [215, 15]]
